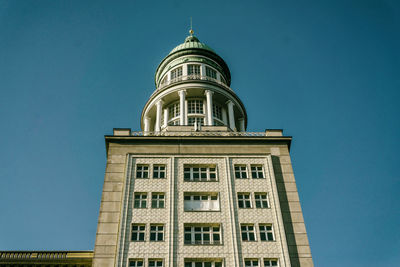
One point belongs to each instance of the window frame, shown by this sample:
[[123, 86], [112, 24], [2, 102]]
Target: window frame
[[266, 235], [200, 195], [138, 232], [239, 171], [246, 203], [189, 175], [159, 171], [176, 74], [194, 70], [157, 200], [193, 262], [156, 261], [196, 105], [261, 200], [136, 261], [210, 73], [211, 233], [141, 200], [251, 260], [217, 112], [270, 260], [248, 232], [143, 172], [257, 174], [157, 232]]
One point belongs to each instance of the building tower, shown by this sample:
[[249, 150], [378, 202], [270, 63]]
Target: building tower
[[194, 189]]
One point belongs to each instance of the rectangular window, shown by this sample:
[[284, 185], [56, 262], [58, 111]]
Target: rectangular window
[[136, 263], [202, 234], [195, 107], [157, 200], [138, 232], [257, 171], [193, 70], [199, 173], [244, 201], [270, 262], [176, 73], [159, 171], [251, 263], [217, 111], [211, 73], [156, 232], [156, 263], [201, 202], [140, 201], [174, 110], [142, 171], [203, 263], [261, 200], [248, 232], [266, 232], [241, 171]]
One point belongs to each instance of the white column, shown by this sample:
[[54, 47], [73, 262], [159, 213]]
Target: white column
[[185, 71], [210, 120], [224, 116], [146, 124], [205, 113], [186, 111], [241, 125], [182, 107], [203, 71], [157, 126], [165, 117], [231, 115]]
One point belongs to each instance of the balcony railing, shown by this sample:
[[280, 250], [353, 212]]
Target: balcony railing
[[192, 77], [199, 133], [44, 255]]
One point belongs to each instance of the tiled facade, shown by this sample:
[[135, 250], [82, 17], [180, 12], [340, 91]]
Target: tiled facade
[[114, 245]]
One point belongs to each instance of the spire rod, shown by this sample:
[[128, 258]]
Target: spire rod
[[191, 27]]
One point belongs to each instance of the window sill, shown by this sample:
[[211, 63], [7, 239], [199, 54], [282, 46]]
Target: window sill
[[202, 210]]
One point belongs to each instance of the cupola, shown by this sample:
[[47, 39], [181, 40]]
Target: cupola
[[193, 93]]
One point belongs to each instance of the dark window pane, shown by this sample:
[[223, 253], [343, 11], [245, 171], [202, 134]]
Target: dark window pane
[[153, 236], [188, 238], [251, 236], [262, 236], [270, 236]]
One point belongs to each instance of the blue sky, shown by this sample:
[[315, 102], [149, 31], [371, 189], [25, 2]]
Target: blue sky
[[327, 72]]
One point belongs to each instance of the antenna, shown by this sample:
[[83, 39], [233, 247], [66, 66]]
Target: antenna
[[191, 27]]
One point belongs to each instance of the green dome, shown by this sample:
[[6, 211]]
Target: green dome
[[190, 43]]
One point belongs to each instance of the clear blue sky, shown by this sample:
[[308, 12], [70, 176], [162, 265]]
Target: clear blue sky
[[327, 72]]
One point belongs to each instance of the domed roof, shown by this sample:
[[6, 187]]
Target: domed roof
[[190, 43]]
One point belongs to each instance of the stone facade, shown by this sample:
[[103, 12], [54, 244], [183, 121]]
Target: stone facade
[[114, 246]]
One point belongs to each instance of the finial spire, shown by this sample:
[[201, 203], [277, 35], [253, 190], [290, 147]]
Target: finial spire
[[191, 28]]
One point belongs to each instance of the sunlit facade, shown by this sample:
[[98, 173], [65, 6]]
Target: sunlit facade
[[194, 188]]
